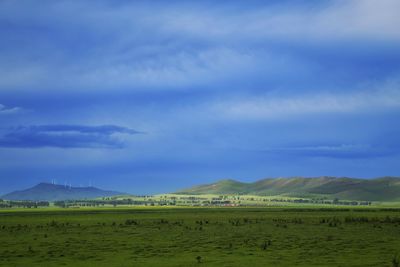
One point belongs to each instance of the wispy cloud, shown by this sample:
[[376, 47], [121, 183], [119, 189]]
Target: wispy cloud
[[65, 136], [9, 110], [265, 107], [334, 151], [178, 69], [201, 42], [322, 21]]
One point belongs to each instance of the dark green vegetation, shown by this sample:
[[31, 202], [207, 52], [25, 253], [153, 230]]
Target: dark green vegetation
[[23, 204], [54, 192], [205, 201], [379, 189], [200, 237]]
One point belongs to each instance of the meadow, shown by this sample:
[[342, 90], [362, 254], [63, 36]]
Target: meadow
[[200, 236]]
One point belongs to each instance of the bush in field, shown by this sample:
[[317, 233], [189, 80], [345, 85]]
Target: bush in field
[[130, 222], [266, 244], [198, 258], [350, 219], [395, 261]]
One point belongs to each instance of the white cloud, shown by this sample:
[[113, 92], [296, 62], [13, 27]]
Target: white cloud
[[5, 110], [183, 45], [367, 19], [180, 69], [352, 19], [279, 107], [333, 151]]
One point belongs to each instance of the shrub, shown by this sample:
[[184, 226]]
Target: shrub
[[198, 258], [395, 261]]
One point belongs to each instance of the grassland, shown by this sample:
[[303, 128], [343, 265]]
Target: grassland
[[167, 236]]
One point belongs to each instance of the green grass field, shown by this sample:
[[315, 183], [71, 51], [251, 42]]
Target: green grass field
[[273, 236]]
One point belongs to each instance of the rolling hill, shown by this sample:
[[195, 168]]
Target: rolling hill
[[54, 192], [378, 189]]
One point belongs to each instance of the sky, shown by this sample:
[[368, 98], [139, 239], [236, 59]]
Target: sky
[[150, 97]]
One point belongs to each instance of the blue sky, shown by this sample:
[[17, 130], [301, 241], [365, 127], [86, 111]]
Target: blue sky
[[149, 97]]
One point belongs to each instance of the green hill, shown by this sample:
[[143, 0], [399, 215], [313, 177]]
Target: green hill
[[221, 187], [378, 189], [53, 192]]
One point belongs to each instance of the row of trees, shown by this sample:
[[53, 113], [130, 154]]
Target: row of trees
[[223, 201], [23, 204], [122, 202]]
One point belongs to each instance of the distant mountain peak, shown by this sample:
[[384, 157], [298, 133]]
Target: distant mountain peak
[[52, 192]]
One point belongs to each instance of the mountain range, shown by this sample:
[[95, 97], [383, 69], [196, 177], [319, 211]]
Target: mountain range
[[54, 192], [377, 189]]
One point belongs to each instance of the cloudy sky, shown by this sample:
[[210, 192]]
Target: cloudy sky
[[149, 97]]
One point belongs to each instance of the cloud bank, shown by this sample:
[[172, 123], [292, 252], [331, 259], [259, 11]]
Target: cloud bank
[[264, 107], [65, 136], [340, 151], [201, 43]]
